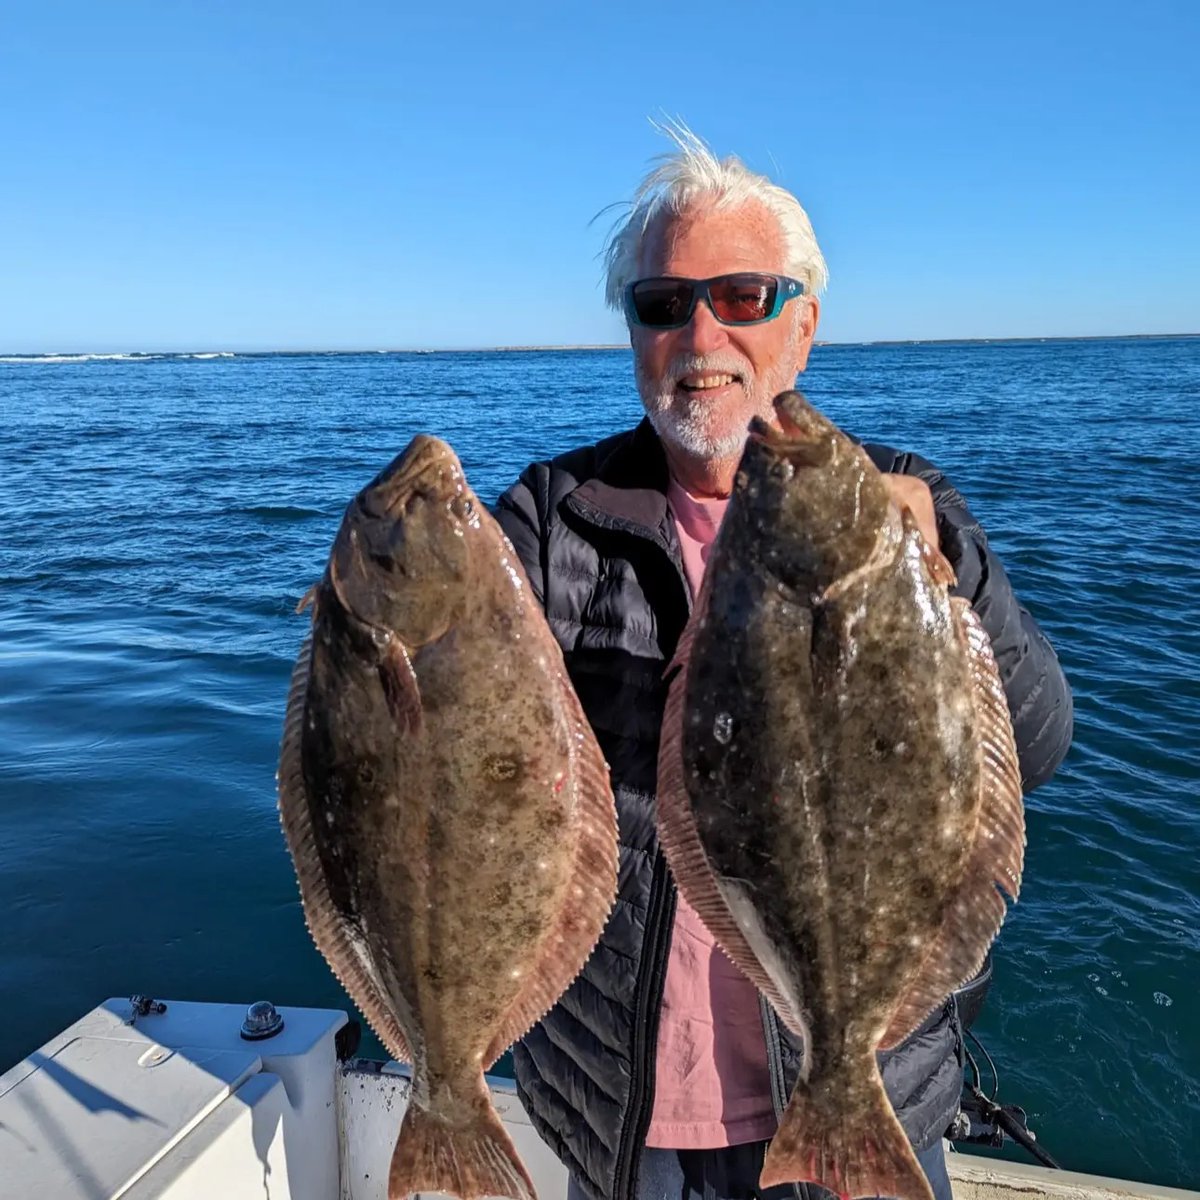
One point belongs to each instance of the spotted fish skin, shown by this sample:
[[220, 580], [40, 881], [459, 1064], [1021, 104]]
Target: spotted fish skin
[[838, 785], [446, 806]]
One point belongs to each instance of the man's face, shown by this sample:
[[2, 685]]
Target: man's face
[[702, 383]]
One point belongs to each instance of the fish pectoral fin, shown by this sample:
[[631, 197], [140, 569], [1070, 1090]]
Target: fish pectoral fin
[[976, 910], [400, 687], [309, 599]]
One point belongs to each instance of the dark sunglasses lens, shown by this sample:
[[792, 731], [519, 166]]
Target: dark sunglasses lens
[[739, 299], [662, 302]]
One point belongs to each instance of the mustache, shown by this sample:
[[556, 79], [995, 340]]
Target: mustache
[[720, 362]]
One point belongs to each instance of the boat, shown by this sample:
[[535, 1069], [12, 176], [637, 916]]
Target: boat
[[144, 1099]]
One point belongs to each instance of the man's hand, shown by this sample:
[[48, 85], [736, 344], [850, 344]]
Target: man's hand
[[912, 493]]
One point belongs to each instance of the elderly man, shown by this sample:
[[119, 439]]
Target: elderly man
[[662, 1072]]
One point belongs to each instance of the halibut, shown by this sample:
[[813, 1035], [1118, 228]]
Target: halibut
[[446, 805], [839, 796]]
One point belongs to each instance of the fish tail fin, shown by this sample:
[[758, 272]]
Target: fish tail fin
[[852, 1153], [469, 1160]]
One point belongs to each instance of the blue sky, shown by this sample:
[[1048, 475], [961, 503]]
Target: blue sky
[[290, 175]]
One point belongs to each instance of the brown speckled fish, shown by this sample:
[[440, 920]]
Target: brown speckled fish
[[839, 794], [446, 805]]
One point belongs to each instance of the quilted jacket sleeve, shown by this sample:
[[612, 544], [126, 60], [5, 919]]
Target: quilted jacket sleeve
[[1039, 696], [519, 514]]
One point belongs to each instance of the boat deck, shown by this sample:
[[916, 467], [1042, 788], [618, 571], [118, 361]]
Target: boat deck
[[177, 1105]]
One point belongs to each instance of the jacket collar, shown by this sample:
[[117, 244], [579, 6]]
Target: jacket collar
[[628, 493]]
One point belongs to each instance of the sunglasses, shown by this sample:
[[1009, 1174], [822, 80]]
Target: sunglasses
[[744, 298]]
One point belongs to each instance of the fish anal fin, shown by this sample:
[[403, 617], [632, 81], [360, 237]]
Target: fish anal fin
[[685, 853], [470, 1159], [858, 1151], [568, 945], [329, 930], [975, 912]]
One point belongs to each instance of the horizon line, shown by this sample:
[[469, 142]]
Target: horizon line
[[1087, 337]]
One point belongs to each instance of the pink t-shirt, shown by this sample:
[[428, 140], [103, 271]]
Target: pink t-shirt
[[712, 1082]]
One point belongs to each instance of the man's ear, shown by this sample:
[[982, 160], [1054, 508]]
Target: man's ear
[[808, 330]]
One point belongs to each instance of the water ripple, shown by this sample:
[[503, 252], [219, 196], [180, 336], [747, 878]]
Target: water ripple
[[162, 517]]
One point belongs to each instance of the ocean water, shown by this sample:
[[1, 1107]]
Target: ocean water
[[160, 516]]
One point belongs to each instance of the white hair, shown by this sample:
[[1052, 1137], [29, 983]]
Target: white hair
[[693, 174]]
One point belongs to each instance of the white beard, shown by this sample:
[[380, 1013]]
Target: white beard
[[692, 424]]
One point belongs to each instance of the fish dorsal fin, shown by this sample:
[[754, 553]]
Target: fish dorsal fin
[[569, 944], [683, 849], [976, 910], [335, 940]]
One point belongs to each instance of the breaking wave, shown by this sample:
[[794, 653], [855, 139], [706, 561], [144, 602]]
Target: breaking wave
[[86, 358]]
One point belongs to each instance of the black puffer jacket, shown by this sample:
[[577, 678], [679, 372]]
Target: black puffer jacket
[[594, 533]]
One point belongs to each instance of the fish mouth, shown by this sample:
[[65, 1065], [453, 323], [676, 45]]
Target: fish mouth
[[427, 469], [800, 434]]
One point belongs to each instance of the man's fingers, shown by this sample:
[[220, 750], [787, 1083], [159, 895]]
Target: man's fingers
[[913, 495]]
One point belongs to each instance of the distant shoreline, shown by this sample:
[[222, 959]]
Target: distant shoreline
[[66, 355], [976, 341], [989, 341]]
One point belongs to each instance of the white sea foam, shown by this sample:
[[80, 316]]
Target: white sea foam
[[38, 359], [71, 358]]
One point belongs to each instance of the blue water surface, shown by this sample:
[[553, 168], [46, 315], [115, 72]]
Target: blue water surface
[[161, 516]]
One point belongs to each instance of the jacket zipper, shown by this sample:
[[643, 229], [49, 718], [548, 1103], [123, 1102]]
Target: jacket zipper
[[774, 1057], [660, 916], [660, 920]]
